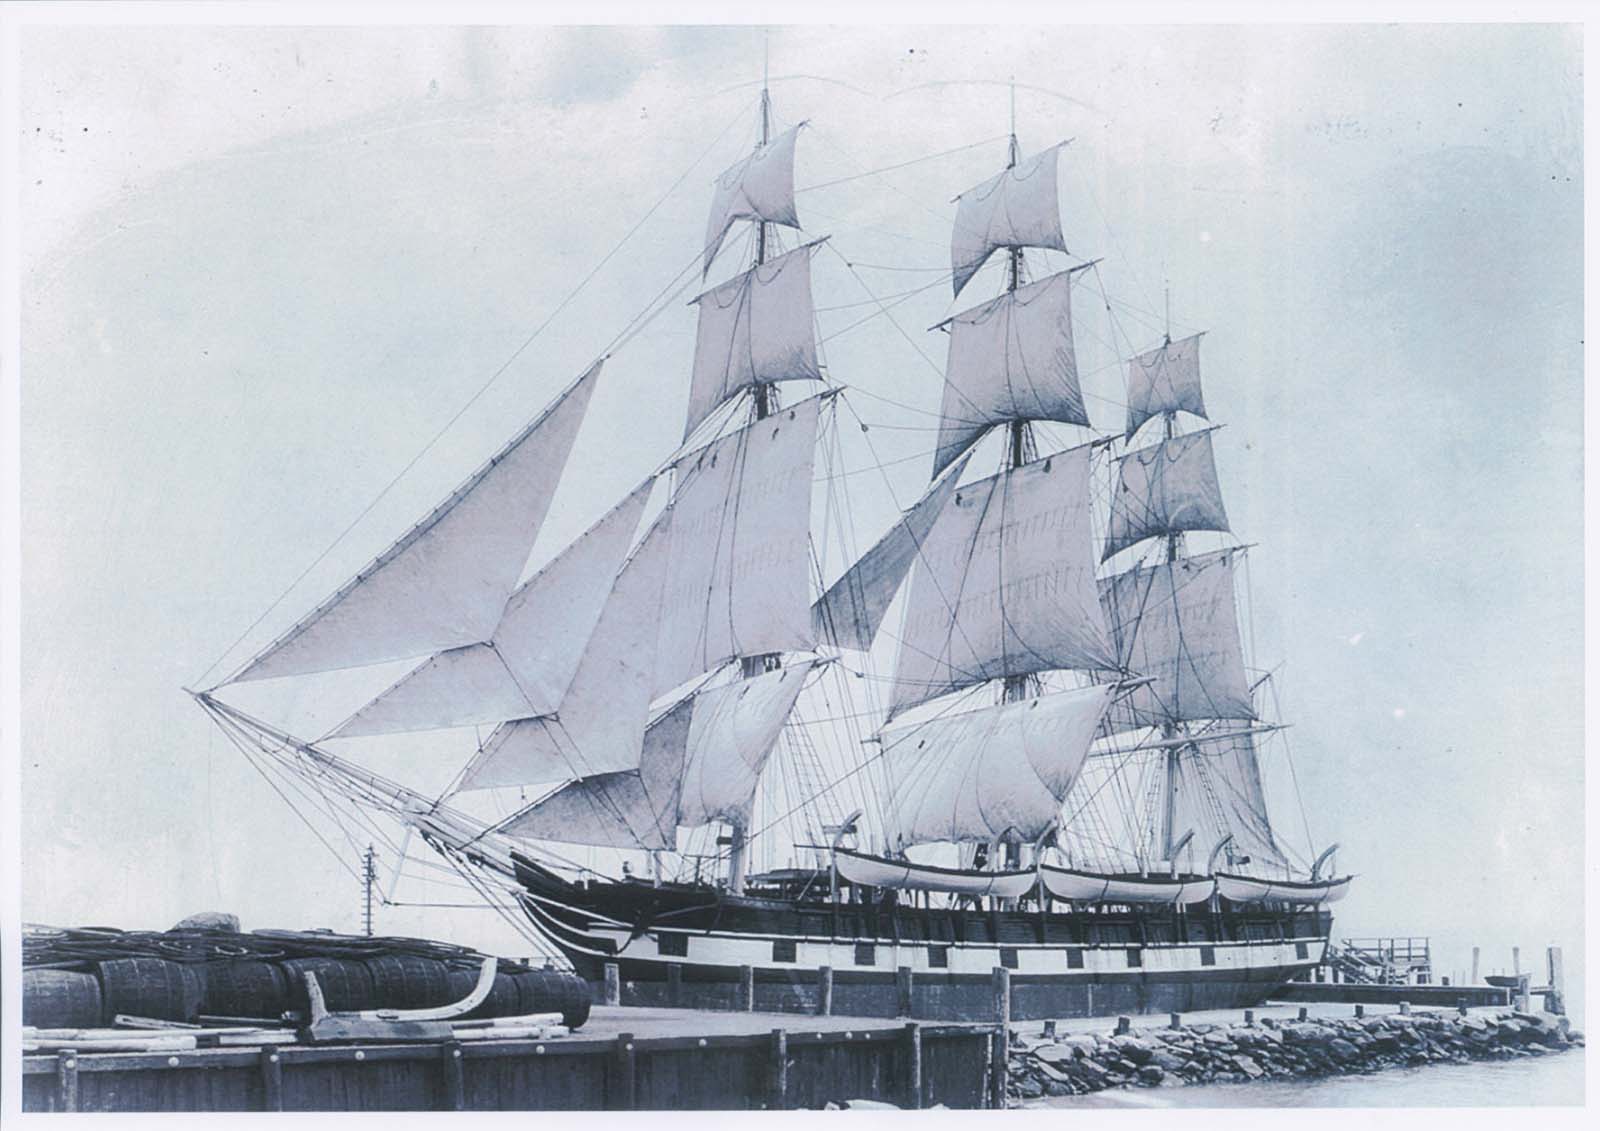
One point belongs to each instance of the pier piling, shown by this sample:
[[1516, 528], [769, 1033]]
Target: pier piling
[[1249, 1017], [1405, 1008], [1304, 1014], [1474, 966], [1555, 999], [1361, 1011], [778, 1072], [613, 984], [622, 1098], [902, 991], [1174, 1020], [747, 989], [1000, 1057], [1124, 1025], [913, 1065]]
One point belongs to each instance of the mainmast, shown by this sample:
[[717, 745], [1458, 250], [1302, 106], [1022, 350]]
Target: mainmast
[[1171, 781], [1016, 687]]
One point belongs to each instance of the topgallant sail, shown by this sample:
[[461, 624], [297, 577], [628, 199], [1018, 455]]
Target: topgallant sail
[[1050, 762]]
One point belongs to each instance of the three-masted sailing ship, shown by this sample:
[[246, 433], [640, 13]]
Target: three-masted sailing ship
[[1060, 775]]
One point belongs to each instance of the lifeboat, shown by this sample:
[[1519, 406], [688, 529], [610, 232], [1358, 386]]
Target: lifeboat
[[1249, 889], [1096, 887], [878, 872]]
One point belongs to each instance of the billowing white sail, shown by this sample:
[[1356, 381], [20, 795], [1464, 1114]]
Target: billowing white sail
[[754, 329], [1010, 359], [760, 187], [1165, 379], [445, 582], [1015, 208], [1005, 584], [849, 613], [525, 667], [738, 572], [1163, 489], [730, 738], [627, 809], [700, 763], [1219, 793], [599, 726], [1001, 770], [1175, 623]]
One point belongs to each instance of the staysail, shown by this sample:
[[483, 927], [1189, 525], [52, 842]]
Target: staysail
[[760, 187], [1005, 584], [599, 726], [738, 573], [701, 762], [1165, 379], [757, 328], [849, 614], [1165, 488], [523, 670], [444, 583], [1010, 359], [999, 771], [1017, 207]]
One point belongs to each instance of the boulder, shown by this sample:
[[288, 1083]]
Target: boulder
[[1054, 1054], [1248, 1066], [1149, 1074], [1167, 1061], [1135, 1049], [1343, 1049]]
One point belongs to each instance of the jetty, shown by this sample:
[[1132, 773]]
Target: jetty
[[1279, 1041]]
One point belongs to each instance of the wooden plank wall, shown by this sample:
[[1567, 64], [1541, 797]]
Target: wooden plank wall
[[912, 1065]]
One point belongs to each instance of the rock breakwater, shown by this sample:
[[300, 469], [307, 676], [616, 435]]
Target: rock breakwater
[[1275, 1048]]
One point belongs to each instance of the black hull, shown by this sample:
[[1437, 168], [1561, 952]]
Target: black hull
[[688, 945]]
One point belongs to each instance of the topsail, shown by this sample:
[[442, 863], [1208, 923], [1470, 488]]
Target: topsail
[[1005, 584], [1010, 359], [1165, 379]]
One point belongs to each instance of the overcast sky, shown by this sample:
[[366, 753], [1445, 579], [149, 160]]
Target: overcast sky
[[263, 266]]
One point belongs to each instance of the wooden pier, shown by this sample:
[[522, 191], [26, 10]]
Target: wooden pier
[[625, 1059]]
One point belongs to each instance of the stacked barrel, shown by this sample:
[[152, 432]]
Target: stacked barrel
[[81, 979]]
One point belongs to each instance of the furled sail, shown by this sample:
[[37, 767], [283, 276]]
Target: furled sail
[[526, 665], [1001, 770], [1015, 208], [1005, 584], [599, 726], [760, 187], [1175, 622], [738, 580], [445, 583], [754, 329], [700, 763], [1164, 489], [1165, 379], [849, 614], [1010, 359]]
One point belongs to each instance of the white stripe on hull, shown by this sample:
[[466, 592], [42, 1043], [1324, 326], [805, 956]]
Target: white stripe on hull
[[727, 949]]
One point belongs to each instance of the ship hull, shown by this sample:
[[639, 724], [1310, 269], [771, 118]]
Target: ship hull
[[685, 946]]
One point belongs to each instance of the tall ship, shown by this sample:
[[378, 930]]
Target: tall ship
[[1014, 730]]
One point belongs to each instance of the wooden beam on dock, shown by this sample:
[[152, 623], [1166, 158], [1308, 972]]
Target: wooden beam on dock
[[1000, 1047], [778, 1072], [622, 1096], [914, 1066], [455, 1088], [67, 1080], [271, 1080], [747, 989], [902, 991], [613, 984], [825, 990]]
